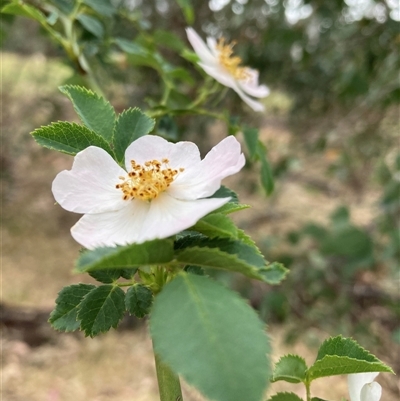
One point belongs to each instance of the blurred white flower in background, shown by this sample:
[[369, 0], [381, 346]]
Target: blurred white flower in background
[[160, 193], [218, 61]]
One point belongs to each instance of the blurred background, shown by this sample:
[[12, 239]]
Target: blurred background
[[331, 129]]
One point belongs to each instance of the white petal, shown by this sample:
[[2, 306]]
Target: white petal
[[142, 221], [371, 392], [356, 382], [220, 75], [150, 147], [119, 227], [256, 106], [212, 45], [222, 161], [168, 216], [250, 84], [89, 187], [200, 47]]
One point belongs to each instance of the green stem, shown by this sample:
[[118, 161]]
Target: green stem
[[308, 390], [168, 382]]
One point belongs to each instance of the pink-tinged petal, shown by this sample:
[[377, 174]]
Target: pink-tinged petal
[[220, 75], [371, 392], [89, 187], [356, 381], [119, 227], [200, 47], [169, 216], [222, 161], [150, 147]]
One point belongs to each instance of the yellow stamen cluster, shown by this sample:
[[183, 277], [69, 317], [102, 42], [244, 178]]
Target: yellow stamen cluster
[[147, 181], [229, 62]]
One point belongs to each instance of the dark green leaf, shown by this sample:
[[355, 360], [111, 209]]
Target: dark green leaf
[[211, 337], [224, 192], [155, 252], [285, 397], [91, 24], [128, 273], [106, 276], [94, 111], [267, 180], [291, 368], [68, 138], [340, 356], [168, 39], [101, 309], [138, 300], [130, 125], [64, 316], [251, 138], [192, 269], [222, 253], [103, 7]]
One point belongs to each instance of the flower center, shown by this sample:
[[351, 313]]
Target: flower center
[[147, 181], [230, 62]]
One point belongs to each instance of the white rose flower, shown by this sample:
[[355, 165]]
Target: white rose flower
[[217, 60], [363, 388], [160, 193]]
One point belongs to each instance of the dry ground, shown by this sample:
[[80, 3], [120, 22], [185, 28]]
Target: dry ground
[[38, 252]]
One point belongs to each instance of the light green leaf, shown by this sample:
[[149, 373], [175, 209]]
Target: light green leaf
[[251, 138], [102, 308], [231, 207], [91, 24], [103, 7], [274, 273], [339, 356], [212, 338], [94, 111], [267, 179], [64, 316], [155, 252], [285, 397], [130, 125], [216, 225], [138, 300], [68, 138], [290, 368]]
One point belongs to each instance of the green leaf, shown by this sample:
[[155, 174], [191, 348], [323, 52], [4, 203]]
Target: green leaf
[[267, 179], [94, 111], [25, 10], [222, 253], [274, 273], [91, 24], [168, 39], [251, 138], [216, 225], [64, 316], [103, 7], [101, 309], [285, 397], [155, 252], [68, 138], [231, 207], [131, 124], [107, 276], [340, 356], [224, 192], [290, 368], [138, 300], [212, 338], [187, 9]]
